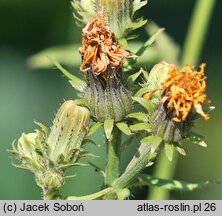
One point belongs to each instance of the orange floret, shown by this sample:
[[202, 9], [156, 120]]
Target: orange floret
[[184, 90], [100, 48]]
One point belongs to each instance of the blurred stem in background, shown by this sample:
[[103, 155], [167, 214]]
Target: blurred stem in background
[[193, 46]]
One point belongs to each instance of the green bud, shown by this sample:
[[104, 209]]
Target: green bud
[[107, 96], [67, 133], [120, 14], [51, 180], [30, 152]]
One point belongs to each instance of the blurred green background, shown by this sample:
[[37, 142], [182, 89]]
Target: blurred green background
[[27, 27]]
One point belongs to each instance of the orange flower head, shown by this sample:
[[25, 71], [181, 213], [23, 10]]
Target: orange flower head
[[100, 49], [184, 90]]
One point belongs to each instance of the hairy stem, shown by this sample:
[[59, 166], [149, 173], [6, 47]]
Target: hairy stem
[[91, 196], [192, 50], [146, 152], [113, 159], [52, 195]]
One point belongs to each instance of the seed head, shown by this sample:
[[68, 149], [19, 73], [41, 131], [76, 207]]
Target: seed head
[[100, 49]]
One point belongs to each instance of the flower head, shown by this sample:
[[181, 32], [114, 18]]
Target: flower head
[[100, 49], [183, 90]]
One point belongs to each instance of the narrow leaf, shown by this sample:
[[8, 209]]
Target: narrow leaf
[[196, 138], [124, 128], [139, 116], [155, 141], [147, 104], [108, 128], [140, 127], [77, 83], [169, 151], [169, 184], [149, 42], [94, 128], [180, 149]]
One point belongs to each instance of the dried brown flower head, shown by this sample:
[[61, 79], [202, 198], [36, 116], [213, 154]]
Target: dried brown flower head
[[100, 49], [183, 90]]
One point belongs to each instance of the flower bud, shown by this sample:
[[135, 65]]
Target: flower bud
[[120, 14], [67, 133], [51, 180], [30, 152]]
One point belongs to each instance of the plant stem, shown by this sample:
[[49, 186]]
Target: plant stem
[[192, 50], [197, 31], [50, 195], [146, 152], [164, 169], [135, 168], [113, 159], [91, 196]]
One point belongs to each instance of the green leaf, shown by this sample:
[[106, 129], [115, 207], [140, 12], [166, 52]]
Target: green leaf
[[124, 128], [169, 151], [139, 116], [179, 148], [108, 127], [142, 91], [147, 104], [149, 42], [164, 43], [169, 184], [154, 140], [196, 138], [136, 75], [65, 54], [140, 127], [77, 83], [94, 128]]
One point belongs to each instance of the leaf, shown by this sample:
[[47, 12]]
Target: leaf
[[136, 75], [179, 148], [164, 43], [142, 91], [94, 128], [147, 104], [140, 127], [77, 83], [132, 78], [196, 138], [139, 116], [124, 128], [149, 42], [169, 184], [169, 151], [108, 127], [155, 141], [65, 54]]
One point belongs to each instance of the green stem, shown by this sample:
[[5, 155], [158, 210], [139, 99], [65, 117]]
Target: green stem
[[192, 50], [146, 152], [113, 159], [165, 169], [91, 196], [135, 167], [197, 31], [52, 195]]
